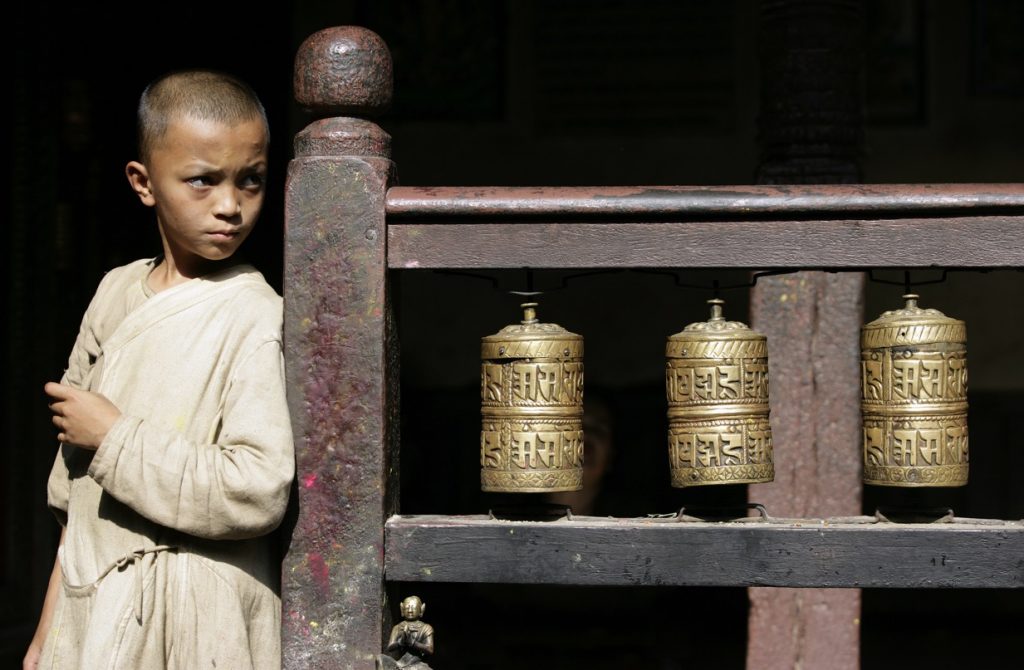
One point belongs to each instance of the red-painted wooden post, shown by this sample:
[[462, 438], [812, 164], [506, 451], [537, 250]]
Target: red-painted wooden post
[[811, 130], [339, 355]]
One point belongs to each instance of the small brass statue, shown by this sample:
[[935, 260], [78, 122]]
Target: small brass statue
[[410, 640]]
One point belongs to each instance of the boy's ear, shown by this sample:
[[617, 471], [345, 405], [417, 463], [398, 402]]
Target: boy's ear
[[138, 178]]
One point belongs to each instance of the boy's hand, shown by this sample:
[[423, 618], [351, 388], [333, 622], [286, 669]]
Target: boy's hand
[[32, 656], [82, 417]]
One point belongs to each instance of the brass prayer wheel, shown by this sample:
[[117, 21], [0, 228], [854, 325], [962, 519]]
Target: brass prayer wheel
[[531, 400], [717, 387], [914, 398]]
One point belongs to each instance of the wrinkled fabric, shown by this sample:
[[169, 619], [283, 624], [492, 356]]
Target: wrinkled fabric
[[168, 558]]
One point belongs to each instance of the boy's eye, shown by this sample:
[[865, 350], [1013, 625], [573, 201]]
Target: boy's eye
[[199, 181], [252, 181]]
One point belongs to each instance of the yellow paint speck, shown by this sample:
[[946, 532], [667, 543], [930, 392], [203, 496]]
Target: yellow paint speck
[[784, 297], [313, 624], [427, 571]]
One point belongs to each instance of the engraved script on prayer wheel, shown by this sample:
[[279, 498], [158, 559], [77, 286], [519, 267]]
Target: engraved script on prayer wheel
[[914, 398], [717, 387], [531, 401]]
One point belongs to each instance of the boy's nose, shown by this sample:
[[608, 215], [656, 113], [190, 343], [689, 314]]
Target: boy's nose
[[228, 203]]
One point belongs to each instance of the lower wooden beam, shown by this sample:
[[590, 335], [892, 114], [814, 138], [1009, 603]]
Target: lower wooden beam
[[799, 553]]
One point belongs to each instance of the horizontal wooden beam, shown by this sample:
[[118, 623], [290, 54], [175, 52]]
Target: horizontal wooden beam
[[797, 553], [676, 202], [990, 241]]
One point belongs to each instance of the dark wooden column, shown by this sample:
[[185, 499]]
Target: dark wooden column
[[810, 125], [339, 355]]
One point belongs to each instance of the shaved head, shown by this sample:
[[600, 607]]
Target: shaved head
[[199, 94]]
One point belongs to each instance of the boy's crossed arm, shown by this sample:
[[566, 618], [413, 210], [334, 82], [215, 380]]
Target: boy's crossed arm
[[235, 486], [83, 418]]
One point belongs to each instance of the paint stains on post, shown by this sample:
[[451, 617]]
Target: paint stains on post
[[320, 572]]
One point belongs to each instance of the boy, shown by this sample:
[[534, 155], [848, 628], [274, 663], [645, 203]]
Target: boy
[[176, 455]]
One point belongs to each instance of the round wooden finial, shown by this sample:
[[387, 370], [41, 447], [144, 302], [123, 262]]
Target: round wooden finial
[[344, 70]]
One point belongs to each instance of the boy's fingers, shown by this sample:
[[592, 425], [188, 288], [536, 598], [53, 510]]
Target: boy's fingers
[[55, 390]]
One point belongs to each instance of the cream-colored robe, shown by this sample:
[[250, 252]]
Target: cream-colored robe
[[167, 559]]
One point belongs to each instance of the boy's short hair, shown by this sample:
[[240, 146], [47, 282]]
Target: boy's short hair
[[201, 94]]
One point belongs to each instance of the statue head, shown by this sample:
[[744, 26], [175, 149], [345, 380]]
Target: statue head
[[413, 608]]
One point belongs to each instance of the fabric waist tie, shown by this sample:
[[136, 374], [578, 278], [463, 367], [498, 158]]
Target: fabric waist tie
[[144, 556]]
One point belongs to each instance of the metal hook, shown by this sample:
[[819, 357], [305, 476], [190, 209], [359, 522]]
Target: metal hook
[[908, 285], [473, 275], [761, 510]]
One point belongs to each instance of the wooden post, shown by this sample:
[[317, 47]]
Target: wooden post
[[810, 126], [339, 355]]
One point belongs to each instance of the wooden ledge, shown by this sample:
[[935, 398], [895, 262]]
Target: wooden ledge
[[793, 552]]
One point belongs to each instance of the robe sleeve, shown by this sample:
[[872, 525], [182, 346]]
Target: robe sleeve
[[235, 486], [58, 488], [84, 354]]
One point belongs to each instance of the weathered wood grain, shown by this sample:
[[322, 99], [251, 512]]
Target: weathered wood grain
[[338, 369], [805, 553], [981, 241], [340, 358], [813, 321], [810, 131], [678, 202]]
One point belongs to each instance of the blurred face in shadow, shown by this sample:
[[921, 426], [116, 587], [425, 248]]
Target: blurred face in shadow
[[598, 449]]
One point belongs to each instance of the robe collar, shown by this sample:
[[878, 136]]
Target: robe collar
[[178, 298]]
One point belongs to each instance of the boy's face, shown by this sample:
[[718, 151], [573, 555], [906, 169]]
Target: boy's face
[[206, 180]]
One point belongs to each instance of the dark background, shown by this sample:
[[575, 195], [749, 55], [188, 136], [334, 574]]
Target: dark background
[[561, 92]]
